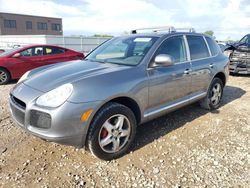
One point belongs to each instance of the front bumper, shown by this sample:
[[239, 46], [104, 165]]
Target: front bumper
[[239, 67], [65, 121]]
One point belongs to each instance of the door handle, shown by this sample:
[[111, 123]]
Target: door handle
[[187, 71], [211, 65]]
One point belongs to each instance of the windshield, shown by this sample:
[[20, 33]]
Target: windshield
[[245, 39], [123, 50], [7, 52]]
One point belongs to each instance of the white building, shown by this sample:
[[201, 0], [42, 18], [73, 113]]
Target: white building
[[81, 44]]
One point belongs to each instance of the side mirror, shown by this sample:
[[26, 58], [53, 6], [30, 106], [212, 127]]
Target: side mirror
[[17, 55], [163, 60]]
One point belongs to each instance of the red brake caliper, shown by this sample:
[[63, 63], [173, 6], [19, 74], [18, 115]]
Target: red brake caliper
[[104, 133]]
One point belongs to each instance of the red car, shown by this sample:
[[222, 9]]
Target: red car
[[14, 63]]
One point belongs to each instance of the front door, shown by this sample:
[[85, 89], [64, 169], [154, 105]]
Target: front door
[[30, 58], [168, 84]]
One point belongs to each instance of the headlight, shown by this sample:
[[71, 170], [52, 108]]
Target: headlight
[[55, 97], [24, 77]]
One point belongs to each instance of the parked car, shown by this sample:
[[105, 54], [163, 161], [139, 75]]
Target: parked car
[[239, 55], [2, 51], [128, 80], [15, 62]]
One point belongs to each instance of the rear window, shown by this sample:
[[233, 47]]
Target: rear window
[[198, 47], [214, 48]]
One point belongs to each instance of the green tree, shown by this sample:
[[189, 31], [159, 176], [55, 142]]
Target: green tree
[[102, 35], [210, 32]]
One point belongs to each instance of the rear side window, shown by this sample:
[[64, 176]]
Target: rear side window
[[53, 50], [214, 48], [174, 47], [198, 48]]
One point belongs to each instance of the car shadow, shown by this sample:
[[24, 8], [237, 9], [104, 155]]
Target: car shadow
[[152, 130], [12, 82], [240, 75]]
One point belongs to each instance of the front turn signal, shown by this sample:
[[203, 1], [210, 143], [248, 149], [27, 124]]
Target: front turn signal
[[85, 116]]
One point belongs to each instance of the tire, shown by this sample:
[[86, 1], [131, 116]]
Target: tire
[[232, 73], [112, 131], [4, 76], [213, 99]]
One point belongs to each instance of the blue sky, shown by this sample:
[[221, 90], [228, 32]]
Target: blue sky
[[227, 18]]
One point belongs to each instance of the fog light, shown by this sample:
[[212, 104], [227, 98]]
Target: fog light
[[40, 119]]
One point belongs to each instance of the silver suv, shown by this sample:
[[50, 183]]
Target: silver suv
[[98, 102]]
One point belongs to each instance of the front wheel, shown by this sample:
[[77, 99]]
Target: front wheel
[[112, 131], [213, 99]]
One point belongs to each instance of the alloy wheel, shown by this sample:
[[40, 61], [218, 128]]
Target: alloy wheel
[[3, 76], [114, 133], [216, 94]]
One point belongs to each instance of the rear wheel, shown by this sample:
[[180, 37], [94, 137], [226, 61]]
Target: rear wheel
[[213, 99], [112, 131], [4, 76]]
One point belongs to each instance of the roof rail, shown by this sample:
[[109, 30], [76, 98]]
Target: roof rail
[[189, 29], [169, 29]]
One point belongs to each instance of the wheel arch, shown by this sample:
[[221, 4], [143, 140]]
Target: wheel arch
[[124, 100], [222, 77], [1, 67]]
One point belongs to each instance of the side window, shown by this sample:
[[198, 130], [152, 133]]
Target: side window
[[38, 51], [58, 50], [198, 48], [214, 48], [53, 50], [174, 47], [48, 51], [27, 52]]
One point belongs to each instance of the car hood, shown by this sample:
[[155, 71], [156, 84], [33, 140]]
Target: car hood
[[69, 72], [242, 47]]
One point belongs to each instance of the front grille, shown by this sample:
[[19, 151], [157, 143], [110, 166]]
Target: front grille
[[18, 102], [40, 119], [240, 56], [18, 115]]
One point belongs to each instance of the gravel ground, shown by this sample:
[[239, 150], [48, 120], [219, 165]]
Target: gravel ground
[[189, 147]]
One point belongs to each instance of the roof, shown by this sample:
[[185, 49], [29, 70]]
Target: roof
[[165, 34], [30, 15], [163, 31]]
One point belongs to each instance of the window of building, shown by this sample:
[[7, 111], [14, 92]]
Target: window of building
[[42, 26], [10, 23], [28, 25], [56, 27]]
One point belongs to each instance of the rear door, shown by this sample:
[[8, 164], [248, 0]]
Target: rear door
[[54, 55], [201, 63], [168, 84]]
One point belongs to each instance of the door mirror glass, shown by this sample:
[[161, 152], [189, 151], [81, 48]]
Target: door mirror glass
[[163, 60], [17, 55]]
